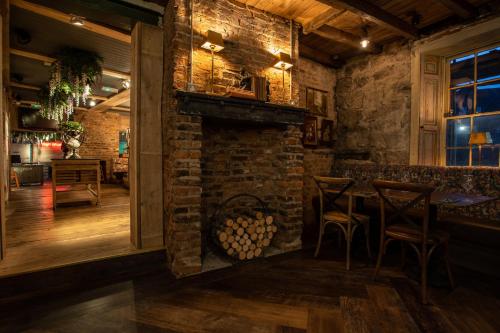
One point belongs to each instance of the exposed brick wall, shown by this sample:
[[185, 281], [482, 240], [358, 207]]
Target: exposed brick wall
[[317, 161], [373, 103], [101, 134], [250, 36]]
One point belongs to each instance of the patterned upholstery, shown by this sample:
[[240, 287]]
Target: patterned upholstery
[[484, 181]]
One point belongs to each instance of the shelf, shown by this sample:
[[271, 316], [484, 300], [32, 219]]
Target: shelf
[[215, 106]]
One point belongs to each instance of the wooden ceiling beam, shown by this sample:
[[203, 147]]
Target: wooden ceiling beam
[[23, 86], [345, 38], [65, 18], [319, 56], [461, 7], [321, 20], [373, 13], [112, 101], [49, 60]]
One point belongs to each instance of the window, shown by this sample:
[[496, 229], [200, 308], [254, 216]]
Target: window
[[473, 117]]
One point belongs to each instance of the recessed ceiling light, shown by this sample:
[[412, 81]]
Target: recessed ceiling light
[[92, 103], [109, 89], [364, 43], [77, 20]]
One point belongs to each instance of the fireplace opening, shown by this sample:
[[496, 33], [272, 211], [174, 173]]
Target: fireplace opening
[[253, 160]]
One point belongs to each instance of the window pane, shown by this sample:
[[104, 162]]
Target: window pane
[[489, 156], [462, 101], [488, 65], [458, 132], [489, 124], [457, 157], [488, 97], [462, 71]]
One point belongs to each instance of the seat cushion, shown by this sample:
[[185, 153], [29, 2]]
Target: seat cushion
[[413, 233], [339, 217]]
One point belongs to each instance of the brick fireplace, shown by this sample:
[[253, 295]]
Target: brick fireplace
[[226, 147]]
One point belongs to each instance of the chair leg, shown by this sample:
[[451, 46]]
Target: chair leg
[[423, 278], [321, 231], [348, 238], [367, 237], [380, 254], [403, 255], [448, 267]]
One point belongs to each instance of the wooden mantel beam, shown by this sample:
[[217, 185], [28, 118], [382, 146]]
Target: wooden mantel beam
[[112, 101], [48, 60], [373, 13], [344, 37], [321, 20], [461, 7], [63, 17]]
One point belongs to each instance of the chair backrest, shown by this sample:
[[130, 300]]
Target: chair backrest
[[331, 189], [401, 197]]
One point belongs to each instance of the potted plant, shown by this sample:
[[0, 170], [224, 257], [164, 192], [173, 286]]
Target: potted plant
[[72, 135]]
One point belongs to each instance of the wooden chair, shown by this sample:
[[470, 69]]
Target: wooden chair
[[14, 177], [396, 224], [330, 190]]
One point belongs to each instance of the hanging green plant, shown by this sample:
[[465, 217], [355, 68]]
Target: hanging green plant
[[72, 74], [57, 105]]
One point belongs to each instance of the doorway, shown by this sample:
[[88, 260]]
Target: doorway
[[38, 234]]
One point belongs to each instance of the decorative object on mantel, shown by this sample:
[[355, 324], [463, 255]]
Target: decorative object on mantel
[[310, 131], [327, 132], [257, 84], [244, 231], [240, 93], [213, 43], [71, 77], [283, 62], [317, 101], [73, 137]]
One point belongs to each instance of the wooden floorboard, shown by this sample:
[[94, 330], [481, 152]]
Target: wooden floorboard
[[40, 238], [248, 298]]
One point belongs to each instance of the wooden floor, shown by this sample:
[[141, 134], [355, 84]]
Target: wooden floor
[[39, 238], [290, 293]]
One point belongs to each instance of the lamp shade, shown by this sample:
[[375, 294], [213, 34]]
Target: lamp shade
[[213, 42], [480, 138], [283, 61]]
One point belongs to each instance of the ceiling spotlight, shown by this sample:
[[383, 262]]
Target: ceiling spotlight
[[126, 84], [77, 20], [365, 40], [92, 103]]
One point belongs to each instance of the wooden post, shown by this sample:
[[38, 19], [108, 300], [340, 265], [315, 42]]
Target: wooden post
[[145, 165], [4, 105]]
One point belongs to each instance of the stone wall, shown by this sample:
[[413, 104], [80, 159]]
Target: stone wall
[[101, 134], [250, 36], [373, 103], [318, 160]]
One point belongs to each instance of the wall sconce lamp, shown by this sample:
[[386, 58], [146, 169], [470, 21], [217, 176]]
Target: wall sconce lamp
[[213, 43], [283, 62], [480, 139]]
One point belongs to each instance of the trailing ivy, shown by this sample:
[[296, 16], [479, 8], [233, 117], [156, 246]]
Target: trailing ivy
[[71, 77]]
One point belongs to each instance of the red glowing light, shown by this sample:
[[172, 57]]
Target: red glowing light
[[56, 144]]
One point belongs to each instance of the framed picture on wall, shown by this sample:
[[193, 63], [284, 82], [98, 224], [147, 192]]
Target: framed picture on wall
[[310, 131], [317, 101], [326, 137]]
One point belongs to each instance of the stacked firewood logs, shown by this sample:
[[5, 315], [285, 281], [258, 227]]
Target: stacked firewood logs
[[245, 238]]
